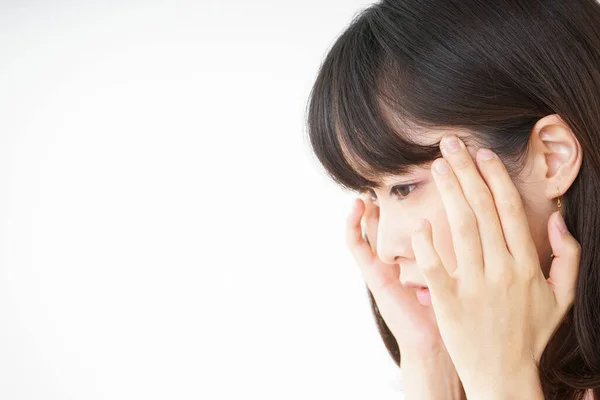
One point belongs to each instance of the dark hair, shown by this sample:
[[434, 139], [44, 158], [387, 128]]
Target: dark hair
[[493, 68]]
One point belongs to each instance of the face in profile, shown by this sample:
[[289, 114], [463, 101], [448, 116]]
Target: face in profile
[[398, 79], [401, 200]]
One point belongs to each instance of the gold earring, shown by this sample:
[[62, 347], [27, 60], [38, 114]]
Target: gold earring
[[559, 204]]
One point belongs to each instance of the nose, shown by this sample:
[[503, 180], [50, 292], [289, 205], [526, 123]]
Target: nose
[[394, 237]]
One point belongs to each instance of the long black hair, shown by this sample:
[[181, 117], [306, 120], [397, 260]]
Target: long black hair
[[492, 68]]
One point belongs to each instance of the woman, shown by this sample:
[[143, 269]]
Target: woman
[[518, 77]]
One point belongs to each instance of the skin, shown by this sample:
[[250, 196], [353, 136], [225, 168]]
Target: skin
[[498, 296], [390, 262]]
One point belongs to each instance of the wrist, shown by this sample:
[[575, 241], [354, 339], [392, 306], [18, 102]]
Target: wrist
[[430, 376], [521, 383], [426, 354]]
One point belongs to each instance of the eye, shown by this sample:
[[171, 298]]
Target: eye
[[400, 192], [403, 191]]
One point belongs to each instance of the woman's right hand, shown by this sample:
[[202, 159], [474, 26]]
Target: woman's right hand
[[412, 324], [431, 373]]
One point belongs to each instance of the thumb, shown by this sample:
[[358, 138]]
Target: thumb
[[565, 265]]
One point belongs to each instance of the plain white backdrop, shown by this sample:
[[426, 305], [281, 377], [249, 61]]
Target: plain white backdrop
[[165, 232]]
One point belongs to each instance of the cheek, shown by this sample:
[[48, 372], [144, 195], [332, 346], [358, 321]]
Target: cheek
[[538, 226]]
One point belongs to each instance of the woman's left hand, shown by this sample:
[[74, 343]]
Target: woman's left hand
[[497, 311]]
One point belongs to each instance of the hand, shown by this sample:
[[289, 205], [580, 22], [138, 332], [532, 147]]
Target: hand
[[497, 311], [427, 369], [412, 324]]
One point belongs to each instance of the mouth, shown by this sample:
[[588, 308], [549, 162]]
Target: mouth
[[423, 296], [413, 285], [422, 292]]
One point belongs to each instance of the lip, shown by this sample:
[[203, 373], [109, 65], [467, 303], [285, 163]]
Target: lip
[[413, 285], [423, 296]]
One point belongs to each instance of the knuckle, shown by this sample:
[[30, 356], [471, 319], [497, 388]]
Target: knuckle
[[503, 277], [529, 274], [511, 206], [467, 290], [482, 201], [465, 226], [461, 162]]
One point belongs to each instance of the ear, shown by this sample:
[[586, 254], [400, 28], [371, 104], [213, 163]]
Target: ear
[[560, 151]]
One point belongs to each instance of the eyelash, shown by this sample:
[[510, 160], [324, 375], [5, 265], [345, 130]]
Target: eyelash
[[393, 190]]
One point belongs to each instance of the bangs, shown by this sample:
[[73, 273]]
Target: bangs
[[358, 127]]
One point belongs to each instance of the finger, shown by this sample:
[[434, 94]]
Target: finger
[[565, 265], [438, 280], [381, 279], [462, 221], [370, 220], [360, 249], [511, 212], [479, 198]]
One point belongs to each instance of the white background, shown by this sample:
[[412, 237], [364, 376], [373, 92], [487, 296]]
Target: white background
[[165, 232]]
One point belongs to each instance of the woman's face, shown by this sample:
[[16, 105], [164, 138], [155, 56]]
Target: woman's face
[[417, 197]]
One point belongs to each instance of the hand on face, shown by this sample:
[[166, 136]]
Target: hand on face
[[412, 324], [496, 312]]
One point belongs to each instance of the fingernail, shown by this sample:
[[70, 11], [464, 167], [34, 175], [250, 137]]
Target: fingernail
[[451, 143], [485, 154], [560, 223], [441, 166]]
